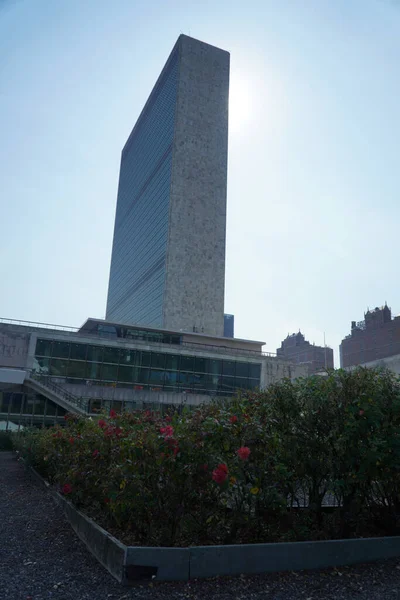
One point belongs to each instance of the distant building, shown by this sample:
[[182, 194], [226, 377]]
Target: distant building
[[229, 326], [168, 255], [373, 339], [299, 351]]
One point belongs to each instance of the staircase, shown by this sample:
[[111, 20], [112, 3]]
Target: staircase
[[43, 384]]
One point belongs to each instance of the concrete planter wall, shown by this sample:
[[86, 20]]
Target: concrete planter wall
[[129, 564]]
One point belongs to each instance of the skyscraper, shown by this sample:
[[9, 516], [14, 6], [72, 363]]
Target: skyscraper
[[168, 255]]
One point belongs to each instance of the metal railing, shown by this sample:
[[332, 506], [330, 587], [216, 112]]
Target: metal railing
[[48, 382], [219, 349]]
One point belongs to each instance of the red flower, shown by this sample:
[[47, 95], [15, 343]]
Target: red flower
[[102, 424], [113, 414], [168, 418], [243, 452], [66, 488], [96, 453], [167, 431], [106, 500], [361, 412], [233, 419], [220, 474], [71, 440]]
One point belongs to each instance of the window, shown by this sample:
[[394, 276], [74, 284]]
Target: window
[[187, 363], [201, 365], [43, 347], [127, 357], [109, 372], [254, 371], [157, 360], [95, 353], [58, 367], [111, 355], [215, 366], [157, 377], [242, 369], [145, 358], [172, 362], [93, 370], [143, 376], [78, 351], [125, 374], [76, 369], [228, 368], [61, 349]]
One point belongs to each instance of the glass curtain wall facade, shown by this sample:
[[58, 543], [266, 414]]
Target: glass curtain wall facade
[[140, 369], [27, 409], [137, 274]]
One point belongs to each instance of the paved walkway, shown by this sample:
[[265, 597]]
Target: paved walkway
[[41, 558]]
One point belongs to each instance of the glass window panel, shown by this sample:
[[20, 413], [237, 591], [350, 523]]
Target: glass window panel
[[215, 366], [109, 372], [254, 371], [228, 368], [227, 384], [28, 404], [241, 383], [61, 349], [143, 376], [157, 377], [187, 363], [16, 403], [50, 408], [145, 358], [95, 353], [111, 355], [157, 360], [43, 347], [186, 378], [78, 351], [93, 370], [125, 374], [95, 405], [41, 365], [172, 362], [127, 356], [76, 369], [58, 367], [201, 365], [39, 405], [171, 377], [242, 369]]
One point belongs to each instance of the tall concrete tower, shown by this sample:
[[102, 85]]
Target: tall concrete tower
[[168, 255]]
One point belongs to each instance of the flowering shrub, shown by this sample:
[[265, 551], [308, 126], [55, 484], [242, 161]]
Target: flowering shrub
[[237, 471]]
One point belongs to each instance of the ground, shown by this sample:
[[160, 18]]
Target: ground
[[41, 558]]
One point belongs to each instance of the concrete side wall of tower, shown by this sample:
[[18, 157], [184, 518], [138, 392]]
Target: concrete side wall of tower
[[195, 265]]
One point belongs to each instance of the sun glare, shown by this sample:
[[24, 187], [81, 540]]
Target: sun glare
[[240, 104]]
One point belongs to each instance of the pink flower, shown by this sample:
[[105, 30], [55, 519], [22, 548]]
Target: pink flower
[[361, 412], [102, 424], [66, 488], [220, 474], [96, 453], [167, 431], [233, 419], [113, 414], [243, 452]]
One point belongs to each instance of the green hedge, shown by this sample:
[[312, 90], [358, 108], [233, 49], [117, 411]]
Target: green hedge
[[238, 471]]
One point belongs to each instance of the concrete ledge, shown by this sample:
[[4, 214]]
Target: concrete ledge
[[130, 564], [210, 561]]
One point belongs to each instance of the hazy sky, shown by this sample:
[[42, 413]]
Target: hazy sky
[[313, 181]]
